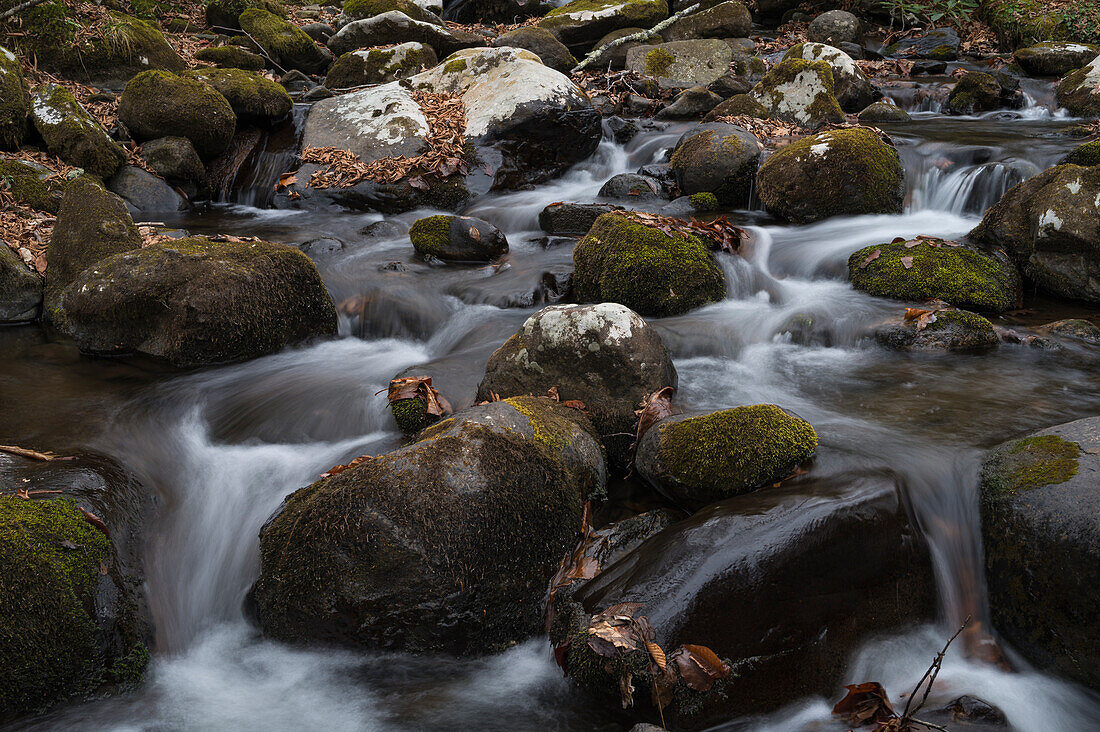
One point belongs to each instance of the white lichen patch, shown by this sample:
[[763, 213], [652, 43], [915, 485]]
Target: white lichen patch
[[1074, 186], [584, 326], [1048, 222], [819, 148], [794, 98]]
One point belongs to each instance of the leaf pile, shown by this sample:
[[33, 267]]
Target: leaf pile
[[445, 156], [27, 233], [865, 703], [886, 67], [620, 85], [719, 231], [787, 35], [412, 387]]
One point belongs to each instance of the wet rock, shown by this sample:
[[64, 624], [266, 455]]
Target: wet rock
[[837, 173], [941, 44], [15, 101], [952, 330], [295, 81], [974, 92], [1086, 155], [20, 289], [443, 545], [322, 246], [583, 22], [691, 103], [721, 20], [616, 57], [1075, 328], [717, 158], [928, 67], [317, 93], [697, 460], [653, 273], [690, 63], [621, 129], [360, 9], [937, 270], [174, 158], [883, 112], [72, 134], [801, 92], [852, 88], [158, 104], [835, 26], [252, 97], [1055, 58], [735, 106], [971, 709], [749, 67], [603, 355], [144, 192], [1041, 531], [1079, 92], [457, 239], [729, 85], [285, 42], [196, 302], [634, 189], [572, 219], [1049, 226], [379, 66], [319, 32], [223, 15], [396, 27], [397, 311], [542, 43]]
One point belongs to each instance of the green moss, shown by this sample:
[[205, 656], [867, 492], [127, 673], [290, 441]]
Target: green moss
[[14, 101], [1086, 155], [412, 415], [284, 41], [31, 185], [431, 234], [961, 320], [454, 66], [158, 104], [961, 276], [73, 135], [653, 273], [942, 53], [1023, 22], [883, 112], [737, 105], [552, 431], [658, 62], [1030, 463], [358, 9], [252, 96], [974, 92], [703, 201], [231, 57], [50, 559], [128, 671], [225, 14]]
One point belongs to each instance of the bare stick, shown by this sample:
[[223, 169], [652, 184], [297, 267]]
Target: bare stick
[[21, 6], [262, 51], [32, 454], [644, 35], [931, 674]]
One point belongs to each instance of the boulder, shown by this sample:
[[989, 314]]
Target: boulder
[[360, 9], [396, 27], [1055, 58], [852, 88], [32, 184], [1050, 226], [1075, 328], [1086, 155], [800, 92], [72, 134], [633, 188], [174, 158], [572, 219], [940, 44], [15, 101], [583, 22], [845, 172], [974, 92], [144, 192], [380, 122], [835, 26], [723, 20], [616, 57], [380, 65], [1079, 91], [691, 103], [697, 460], [736, 106], [496, 11], [446, 544], [932, 269], [224, 15], [158, 104], [656, 274], [1040, 511], [231, 57], [948, 330], [690, 63], [20, 289], [457, 239], [717, 158], [542, 43], [253, 97], [196, 302], [883, 112], [603, 355], [730, 85], [285, 42]]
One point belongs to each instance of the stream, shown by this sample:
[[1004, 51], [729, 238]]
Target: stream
[[222, 447]]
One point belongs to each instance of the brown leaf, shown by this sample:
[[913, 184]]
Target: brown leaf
[[914, 313], [870, 258], [863, 704], [655, 407], [574, 404], [95, 521], [657, 655], [475, 234], [337, 469], [552, 394], [286, 180], [907, 262]]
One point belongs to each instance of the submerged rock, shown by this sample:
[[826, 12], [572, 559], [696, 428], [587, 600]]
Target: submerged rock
[[159, 104], [801, 92], [852, 88], [717, 158], [20, 289], [1079, 92], [1075, 328], [949, 330], [582, 22], [694, 62], [457, 239], [1055, 58], [72, 134], [633, 188]]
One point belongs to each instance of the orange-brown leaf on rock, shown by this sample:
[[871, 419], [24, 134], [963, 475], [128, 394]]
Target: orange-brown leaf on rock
[[699, 666], [337, 469], [870, 258], [865, 703], [410, 387], [285, 181], [655, 407], [907, 262]]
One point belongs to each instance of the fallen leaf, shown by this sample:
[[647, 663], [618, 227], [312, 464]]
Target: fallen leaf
[[864, 704], [870, 258], [907, 262], [475, 234]]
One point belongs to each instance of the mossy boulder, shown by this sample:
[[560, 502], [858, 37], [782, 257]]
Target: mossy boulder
[[603, 355], [285, 42], [224, 15], [960, 275], [697, 460], [395, 27], [360, 9], [1040, 512], [443, 545], [949, 330], [91, 224], [845, 172], [252, 97], [721, 20], [72, 134], [1079, 92], [457, 239], [542, 43], [174, 158], [15, 101], [852, 88], [1019, 23], [583, 22], [974, 92], [883, 112], [835, 26], [800, 92], [32, 184], [717, 158], [938, 44], [1055, 58], [1076, 328], [20, 289], [1086, 155], [698, 62], [622, 260], [380, 65], [195, 302], [231, 57], [736, 106], [159, 104]]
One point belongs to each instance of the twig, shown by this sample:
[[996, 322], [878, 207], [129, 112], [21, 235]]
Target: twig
[[264, 53], [643, 35], [930, 675], [21, 6], [32, 454]]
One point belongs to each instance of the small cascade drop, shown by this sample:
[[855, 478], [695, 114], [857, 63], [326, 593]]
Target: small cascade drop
[[275, 152]]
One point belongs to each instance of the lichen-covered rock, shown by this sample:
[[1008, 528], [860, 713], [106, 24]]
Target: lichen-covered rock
[[939, 44], [1086, 155], [1079, 92], [384, 121], [542, 43], [20, 289], [457, 239], [697, 460], [1050, 226], [443, 545], [252, 97], [717, 158], [616, 57], [603, 355], [801, 92], [396, 27], [836, 173], [360, 9], [72, 134], [1041, 532], [145, 193], [285, 42], [852, 88], [728, 19], [932, 269], [158, 104], [174, 158], [231, 57], [91, 224], [224, 15], [695, 62], [1055, 58], [572, 219], [380, 65], [32, 184], [736, 106], [622, 260], [583, 22], [835, 26], [950, 330], [974, 92], [15, 101], [883, 112]]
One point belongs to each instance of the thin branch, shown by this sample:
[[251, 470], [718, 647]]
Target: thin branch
[[930, 675], [249, 35], [32, 454], [644, 35], [21, 6]]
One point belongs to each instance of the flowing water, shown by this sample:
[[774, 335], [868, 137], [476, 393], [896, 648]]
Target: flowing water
[[222, 447]]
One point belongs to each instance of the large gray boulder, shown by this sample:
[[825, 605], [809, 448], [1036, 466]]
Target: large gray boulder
[[835, 26], [801, 92], [852, 88], [542, 43], [1055, 58], [144, 192], [380, 65], [396, 27], [691, 63], [724, 20], [584, 22]]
